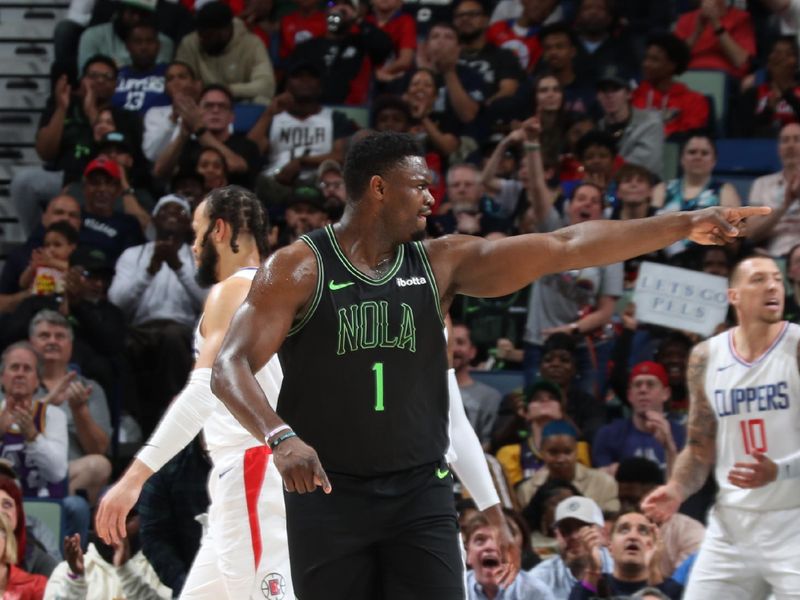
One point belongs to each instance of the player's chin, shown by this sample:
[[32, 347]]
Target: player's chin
[[419, 234]]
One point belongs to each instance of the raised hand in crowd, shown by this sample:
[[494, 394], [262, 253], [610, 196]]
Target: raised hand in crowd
[[73, 554], [89, 104], [189, 112], [23, 417], [166, 251], [591, 539], [63, 93]]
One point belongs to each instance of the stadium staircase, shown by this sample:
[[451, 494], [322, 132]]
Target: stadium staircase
[[26, 53]]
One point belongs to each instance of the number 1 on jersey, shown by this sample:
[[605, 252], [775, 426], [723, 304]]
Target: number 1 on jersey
[[378, 369]]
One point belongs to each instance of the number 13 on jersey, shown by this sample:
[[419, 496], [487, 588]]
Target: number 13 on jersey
[[754, 436]]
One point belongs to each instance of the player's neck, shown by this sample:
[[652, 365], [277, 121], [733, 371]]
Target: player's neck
[[753, 339], [365, 243], [230, 262]]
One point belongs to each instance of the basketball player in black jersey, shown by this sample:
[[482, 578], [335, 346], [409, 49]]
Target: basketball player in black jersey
[[356, 314]]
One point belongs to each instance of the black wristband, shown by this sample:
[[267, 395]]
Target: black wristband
[[200, 131], [720, 30], [283, 438]]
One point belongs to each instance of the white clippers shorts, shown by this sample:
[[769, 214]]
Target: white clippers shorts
[[746, 555], [244, 553]]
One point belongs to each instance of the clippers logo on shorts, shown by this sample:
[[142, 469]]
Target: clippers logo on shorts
[[273, 586], [410, 281]]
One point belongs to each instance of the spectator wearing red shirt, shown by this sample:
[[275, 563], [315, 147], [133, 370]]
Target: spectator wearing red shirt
[[765, 108], [720, 37], [682, 109], [521, 35], [402, 29], [300, 25]]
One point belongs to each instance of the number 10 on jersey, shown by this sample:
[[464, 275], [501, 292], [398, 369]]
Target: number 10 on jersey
[[754, 436]]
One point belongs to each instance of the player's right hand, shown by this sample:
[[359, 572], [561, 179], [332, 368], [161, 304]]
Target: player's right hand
[[662, 503], [299, 466], [109, 523]]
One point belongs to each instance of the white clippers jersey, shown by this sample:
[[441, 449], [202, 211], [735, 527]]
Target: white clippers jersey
[[757, 406], [223, 433]]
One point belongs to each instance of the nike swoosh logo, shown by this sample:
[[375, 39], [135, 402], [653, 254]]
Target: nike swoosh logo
[[725, 367], [332, 286], [225, 472], [442, 473]]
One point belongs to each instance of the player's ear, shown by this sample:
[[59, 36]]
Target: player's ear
[[220, 228], [733, 296], [377, 186]]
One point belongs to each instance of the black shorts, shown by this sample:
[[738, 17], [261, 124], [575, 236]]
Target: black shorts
[[393, 537]]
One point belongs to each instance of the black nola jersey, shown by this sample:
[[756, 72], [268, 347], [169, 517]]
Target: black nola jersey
[[364, 370]]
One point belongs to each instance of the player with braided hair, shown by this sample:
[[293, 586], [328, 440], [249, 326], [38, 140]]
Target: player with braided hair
[[247, 511]]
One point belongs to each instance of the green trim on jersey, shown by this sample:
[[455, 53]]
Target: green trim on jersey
[[317, 293], [431, 279], [348, 265]]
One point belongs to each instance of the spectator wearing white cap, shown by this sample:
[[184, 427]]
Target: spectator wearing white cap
[[578, 519], [633, 547], [155, 287]]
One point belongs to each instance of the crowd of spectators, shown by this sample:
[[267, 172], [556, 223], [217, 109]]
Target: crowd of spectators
[[532, 115]]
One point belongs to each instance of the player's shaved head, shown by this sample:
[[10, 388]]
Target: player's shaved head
[[747, 265]]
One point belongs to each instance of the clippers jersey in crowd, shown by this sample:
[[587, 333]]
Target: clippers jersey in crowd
[[223, 433], [757, 406], [365, 379]]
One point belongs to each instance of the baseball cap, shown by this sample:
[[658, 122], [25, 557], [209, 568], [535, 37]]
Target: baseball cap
[[114, 138], [93, 260], [543, 385], [145, 4], [580, 508], [306, 194], [612, 74], [648, 367], [559, 427], [304, 66], [214, 15], [172, 199], [328, 165], [101, 163]]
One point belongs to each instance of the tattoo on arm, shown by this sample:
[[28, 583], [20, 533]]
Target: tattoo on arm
[[695, 461]]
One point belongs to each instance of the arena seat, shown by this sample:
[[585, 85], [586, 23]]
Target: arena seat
[[245, 116], [358, 114], [714, 85], [747, 156], [504, 382], [49, 511]]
